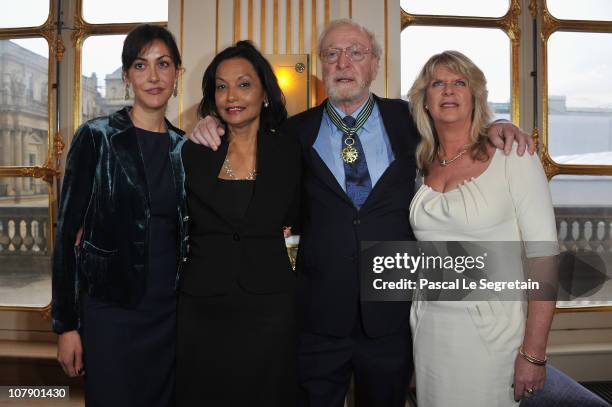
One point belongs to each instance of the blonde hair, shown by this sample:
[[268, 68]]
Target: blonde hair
[[481, 115], [375, 47]]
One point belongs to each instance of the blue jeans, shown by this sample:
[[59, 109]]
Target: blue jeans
[[560, 390]]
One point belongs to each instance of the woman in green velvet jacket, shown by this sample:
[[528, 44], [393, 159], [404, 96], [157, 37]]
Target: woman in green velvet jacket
[[123, 202]]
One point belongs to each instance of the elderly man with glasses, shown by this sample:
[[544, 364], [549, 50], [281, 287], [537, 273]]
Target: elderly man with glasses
[[358, 160]]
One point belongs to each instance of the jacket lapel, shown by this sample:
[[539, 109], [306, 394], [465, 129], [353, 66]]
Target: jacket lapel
[[127, 151], [205, 175], [317, 165], [394, 132], [269, 168], [176, 161]]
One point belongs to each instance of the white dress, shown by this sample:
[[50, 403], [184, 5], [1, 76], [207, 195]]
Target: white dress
[[464, 352]]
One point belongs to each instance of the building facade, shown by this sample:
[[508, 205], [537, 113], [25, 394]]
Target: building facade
[[24, 116]]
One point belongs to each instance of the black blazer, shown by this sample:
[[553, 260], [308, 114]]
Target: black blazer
[[105, 193], [253, 250], [332, 228]]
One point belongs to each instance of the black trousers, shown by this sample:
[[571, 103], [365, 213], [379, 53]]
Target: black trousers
[[382, 368]]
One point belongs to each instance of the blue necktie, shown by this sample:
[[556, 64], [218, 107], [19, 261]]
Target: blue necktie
[[357, 176]]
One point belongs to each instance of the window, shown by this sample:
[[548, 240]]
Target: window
[[26, 157], [30, 145], [476, 8], [585, 10], [493, 58], [100, 82], [580, 98], [102, 88], [105, 12], [25, 13], [577, 138], [24, 64], [469, 27]]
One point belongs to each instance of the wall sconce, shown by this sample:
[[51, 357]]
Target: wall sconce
[[293, 74]]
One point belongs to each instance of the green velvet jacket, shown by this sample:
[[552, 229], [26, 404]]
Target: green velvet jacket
[[105, 193]]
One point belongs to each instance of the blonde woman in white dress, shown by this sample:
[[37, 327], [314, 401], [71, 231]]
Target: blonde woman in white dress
[[467, 353]]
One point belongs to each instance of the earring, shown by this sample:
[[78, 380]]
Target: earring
[[127, 92], [175, 92], [426, 107], [266, 104]]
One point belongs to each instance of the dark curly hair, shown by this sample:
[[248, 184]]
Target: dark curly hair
[[270, 117]]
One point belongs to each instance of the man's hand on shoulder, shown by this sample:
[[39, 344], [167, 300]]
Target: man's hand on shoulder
[[208, 132], [503, 133]]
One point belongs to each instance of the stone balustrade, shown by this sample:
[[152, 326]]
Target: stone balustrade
[[24, 231]]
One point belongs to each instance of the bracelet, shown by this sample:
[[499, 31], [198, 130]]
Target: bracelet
[[531, 359]]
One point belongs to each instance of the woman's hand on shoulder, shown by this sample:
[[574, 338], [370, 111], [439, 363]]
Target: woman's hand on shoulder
[[70, 353], [527, 376]]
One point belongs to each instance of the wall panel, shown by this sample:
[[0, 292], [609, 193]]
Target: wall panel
[[276, 27]]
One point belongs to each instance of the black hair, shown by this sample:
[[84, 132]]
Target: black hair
[[142, 36], [273, 115]]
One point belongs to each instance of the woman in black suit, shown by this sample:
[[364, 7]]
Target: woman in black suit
[[236, 317], [123, 202]]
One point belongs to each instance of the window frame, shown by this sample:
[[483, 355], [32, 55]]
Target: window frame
[[50, 169], [548, 25], [70, 115]]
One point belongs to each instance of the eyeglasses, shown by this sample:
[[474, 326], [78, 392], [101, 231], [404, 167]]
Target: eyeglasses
[[355, 53]]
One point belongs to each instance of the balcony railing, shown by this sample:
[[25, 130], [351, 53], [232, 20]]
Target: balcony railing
[[24, 231], [24, 240], [583, 229]]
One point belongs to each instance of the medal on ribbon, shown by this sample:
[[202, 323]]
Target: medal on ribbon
[[349, 153]]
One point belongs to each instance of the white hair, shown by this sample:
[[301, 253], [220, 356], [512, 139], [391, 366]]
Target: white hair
[[374, 45]]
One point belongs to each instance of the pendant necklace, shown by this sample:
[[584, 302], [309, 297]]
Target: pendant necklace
[[444, 163]]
